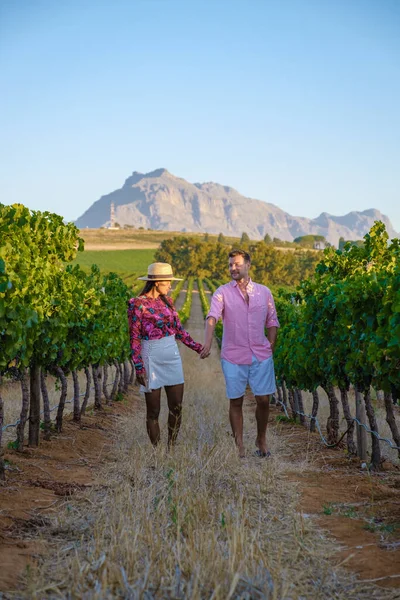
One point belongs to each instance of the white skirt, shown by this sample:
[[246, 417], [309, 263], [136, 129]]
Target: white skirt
[[163, 364]]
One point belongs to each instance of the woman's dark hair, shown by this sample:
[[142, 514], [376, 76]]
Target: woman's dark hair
[[149, 286]]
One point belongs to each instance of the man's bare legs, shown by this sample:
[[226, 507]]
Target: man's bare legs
[[262, 414], [236, 420], [153, 412], [174, 398]]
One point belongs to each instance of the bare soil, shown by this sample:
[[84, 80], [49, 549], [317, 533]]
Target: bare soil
[[360, 510], [41, 479]]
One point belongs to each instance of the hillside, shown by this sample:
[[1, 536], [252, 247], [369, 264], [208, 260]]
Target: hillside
[[162, 201]]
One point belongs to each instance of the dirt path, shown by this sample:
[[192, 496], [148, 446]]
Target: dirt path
[[62, 498], [182, 296], [360, 511]]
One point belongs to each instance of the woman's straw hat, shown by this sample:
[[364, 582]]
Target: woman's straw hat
[[159, 272]]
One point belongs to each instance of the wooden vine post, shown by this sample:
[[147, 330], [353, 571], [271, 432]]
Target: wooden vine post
[[361, 431], [2, 469], [34, 405]]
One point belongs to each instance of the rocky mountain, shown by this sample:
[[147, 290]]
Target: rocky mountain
[[159, 200]]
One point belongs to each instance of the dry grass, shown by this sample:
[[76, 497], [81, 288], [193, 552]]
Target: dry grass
[[133, 239], [107, 239], [195, 523]]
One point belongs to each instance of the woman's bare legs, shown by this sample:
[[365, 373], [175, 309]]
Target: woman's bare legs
[[153, 412], [174, 398]]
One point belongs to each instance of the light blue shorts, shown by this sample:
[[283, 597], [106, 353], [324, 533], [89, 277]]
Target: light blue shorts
[[260, 376]]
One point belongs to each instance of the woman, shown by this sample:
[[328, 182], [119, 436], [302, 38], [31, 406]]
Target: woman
[[153, 325]]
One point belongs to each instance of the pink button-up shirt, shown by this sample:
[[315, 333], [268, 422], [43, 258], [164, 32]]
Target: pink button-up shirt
[[244, 324]]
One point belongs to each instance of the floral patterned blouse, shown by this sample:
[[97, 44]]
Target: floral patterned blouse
[[153, 319]]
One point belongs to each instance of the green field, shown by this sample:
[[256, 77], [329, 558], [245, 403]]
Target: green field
[[118, 261], [128, 264]]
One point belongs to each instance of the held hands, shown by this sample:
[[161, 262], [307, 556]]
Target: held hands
[[205, 351], [208, 337]]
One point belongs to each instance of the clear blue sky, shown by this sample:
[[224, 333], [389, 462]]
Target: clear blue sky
[[296, 102]]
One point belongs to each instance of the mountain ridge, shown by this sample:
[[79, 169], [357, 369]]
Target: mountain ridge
[[161, 200]]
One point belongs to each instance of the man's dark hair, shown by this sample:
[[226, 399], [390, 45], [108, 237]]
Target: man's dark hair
[[245, 255]]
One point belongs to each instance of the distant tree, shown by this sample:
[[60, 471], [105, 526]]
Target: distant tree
[[221, 238], [206, 237], [245, 238], [311, 241], [271, 266], [343, 242], [267, 238], [358, 243]]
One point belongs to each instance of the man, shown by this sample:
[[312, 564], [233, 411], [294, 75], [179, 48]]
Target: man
[[246, 309]]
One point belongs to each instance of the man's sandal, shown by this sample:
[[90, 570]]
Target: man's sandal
[[262, 454]]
